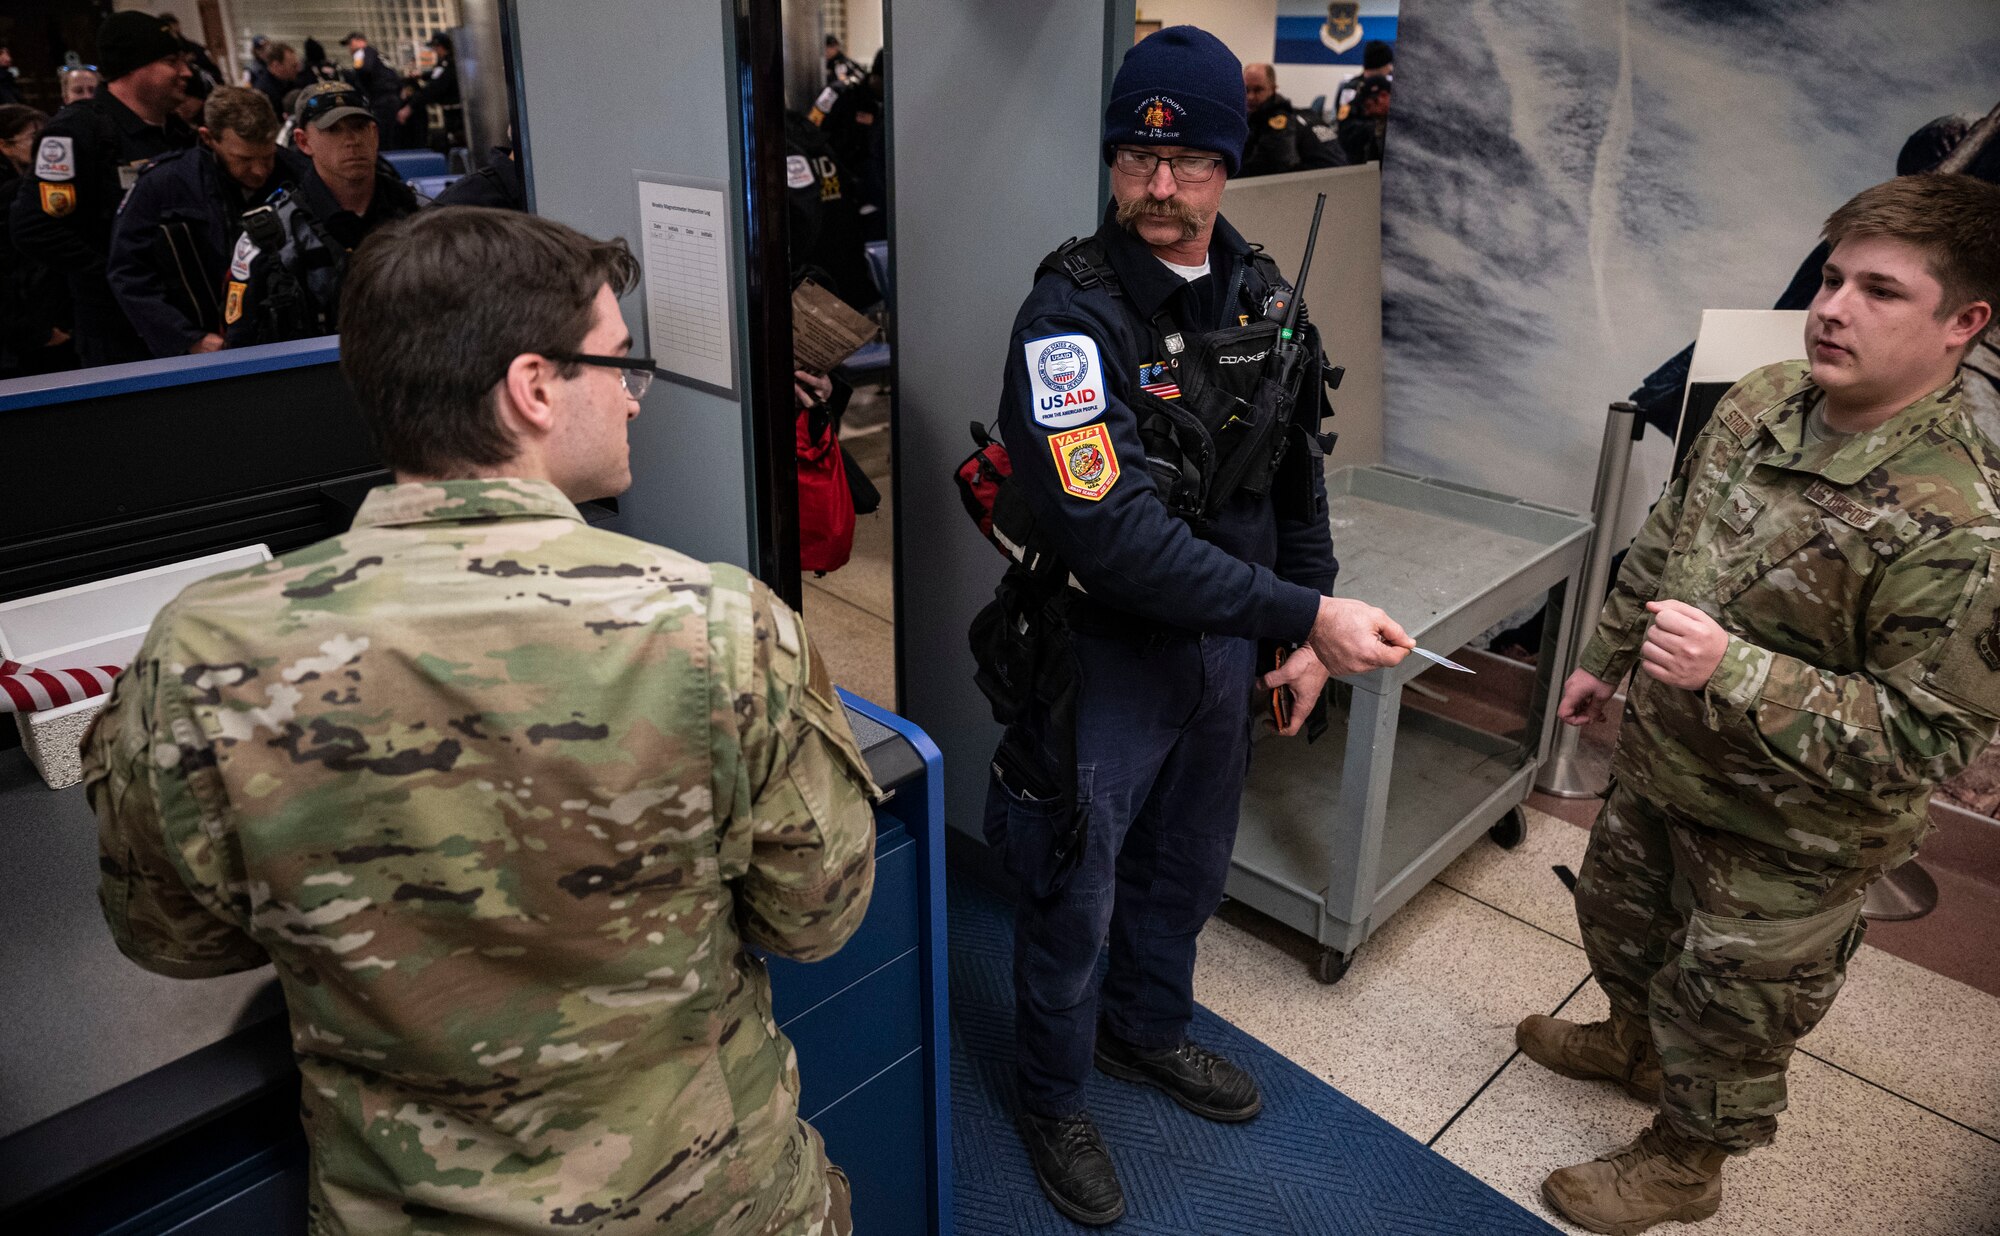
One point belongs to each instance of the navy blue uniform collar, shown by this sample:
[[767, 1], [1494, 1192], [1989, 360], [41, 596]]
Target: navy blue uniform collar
[[333, 216], [1146, 279]]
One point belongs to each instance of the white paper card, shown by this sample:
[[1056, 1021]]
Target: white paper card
[[690, 310]]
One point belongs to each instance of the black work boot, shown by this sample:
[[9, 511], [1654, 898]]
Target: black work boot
[[1192, 1076], [1073, 1167]]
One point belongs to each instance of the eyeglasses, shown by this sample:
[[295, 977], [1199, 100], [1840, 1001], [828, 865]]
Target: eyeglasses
[[1188, 169], [637, 373]]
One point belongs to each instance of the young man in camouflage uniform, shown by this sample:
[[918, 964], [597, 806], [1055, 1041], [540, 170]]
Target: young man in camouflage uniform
[[1814, 607], [506, 799]]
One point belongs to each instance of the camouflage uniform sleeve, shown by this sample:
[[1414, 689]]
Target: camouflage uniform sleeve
[[150, 776], [800, 845], [1621, 624], [1927, 702]]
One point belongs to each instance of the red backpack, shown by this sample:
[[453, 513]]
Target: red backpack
[[826, 504], [980, 478]]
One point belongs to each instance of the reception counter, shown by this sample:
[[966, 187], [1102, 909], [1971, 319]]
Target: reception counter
[[136, 1104]]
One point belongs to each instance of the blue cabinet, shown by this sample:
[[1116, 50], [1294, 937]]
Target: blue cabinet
[[210, 1144]]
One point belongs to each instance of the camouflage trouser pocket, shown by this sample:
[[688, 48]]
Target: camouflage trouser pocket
[[1766, 982]]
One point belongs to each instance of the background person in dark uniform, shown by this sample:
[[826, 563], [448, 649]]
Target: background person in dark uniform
[[1364, 117], [498, 184], [366, 72], [436, 86], [90, 155], [285, 275], [277, 75], [1165, 626], [826, 226], [171, 246], [318, 67], [77, 82], [841, 70], [34, 300], [204, 76], [10, 87], [852, 117], [1281, 136]]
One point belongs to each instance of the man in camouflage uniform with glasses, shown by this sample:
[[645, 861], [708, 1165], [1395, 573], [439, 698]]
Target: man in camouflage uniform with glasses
[[1814, 609], [507, 800]]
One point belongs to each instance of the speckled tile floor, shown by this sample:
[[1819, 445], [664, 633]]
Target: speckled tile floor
[[1895, 1118]]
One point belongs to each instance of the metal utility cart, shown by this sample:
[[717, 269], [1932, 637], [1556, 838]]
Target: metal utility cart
[[1337, 835]]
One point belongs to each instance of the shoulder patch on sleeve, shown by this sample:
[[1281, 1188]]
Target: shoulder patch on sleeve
[[55, 159], [239, 261], [1086, 461], [1065, 380], [232, 309], [1967, 669], [58, 200], [827, 98]]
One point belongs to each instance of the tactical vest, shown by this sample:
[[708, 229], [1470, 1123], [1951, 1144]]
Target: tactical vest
[[1215, 422], [1211, 415], [302, 290]]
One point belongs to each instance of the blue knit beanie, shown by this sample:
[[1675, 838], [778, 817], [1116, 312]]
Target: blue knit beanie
[[1179, 87]]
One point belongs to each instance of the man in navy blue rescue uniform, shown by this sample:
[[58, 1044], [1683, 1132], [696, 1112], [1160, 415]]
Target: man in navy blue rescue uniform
[[286, 271], [171, 245], [1129, 406], [89, 156]]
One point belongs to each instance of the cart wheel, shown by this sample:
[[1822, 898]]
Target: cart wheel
[[1510, 831], [1331, 964]]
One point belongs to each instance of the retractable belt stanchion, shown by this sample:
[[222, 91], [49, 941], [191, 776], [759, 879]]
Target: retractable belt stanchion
[[1563, 774]]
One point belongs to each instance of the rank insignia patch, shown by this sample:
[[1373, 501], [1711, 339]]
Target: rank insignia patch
[[1085, 461], [58, 200]]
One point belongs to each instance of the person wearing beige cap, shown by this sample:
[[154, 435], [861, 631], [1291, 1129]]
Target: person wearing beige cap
[[285, 276]]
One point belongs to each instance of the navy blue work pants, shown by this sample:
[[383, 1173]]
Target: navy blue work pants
[[1162, 743]]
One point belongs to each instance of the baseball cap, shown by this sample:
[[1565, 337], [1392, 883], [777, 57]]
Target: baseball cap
[[323, 104]]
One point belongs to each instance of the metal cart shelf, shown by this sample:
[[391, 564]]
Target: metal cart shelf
[[1337, 835]]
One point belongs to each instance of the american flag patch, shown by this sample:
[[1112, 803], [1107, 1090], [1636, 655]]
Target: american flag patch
[[1163, 390], [1153, 380]]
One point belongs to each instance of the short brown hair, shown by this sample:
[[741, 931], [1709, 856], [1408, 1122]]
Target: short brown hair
[[275, 53], [242, 111], [436, 306], [1954, 219]]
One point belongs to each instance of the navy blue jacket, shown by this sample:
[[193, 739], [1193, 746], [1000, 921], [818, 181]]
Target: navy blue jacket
[[1248, 573], [171, 243], [498, 184], [90, 153]]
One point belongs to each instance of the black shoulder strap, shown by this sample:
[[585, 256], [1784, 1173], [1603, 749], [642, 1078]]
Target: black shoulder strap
[[1082, 262], [1266, 268]]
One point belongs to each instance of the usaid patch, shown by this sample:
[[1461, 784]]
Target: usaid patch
[[55, 159], [1065, 380], [827, 98], [798, 172], [239, 261]]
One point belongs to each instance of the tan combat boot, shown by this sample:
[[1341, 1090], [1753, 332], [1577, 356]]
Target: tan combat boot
[[1662, 1175], [1618, 1050]]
